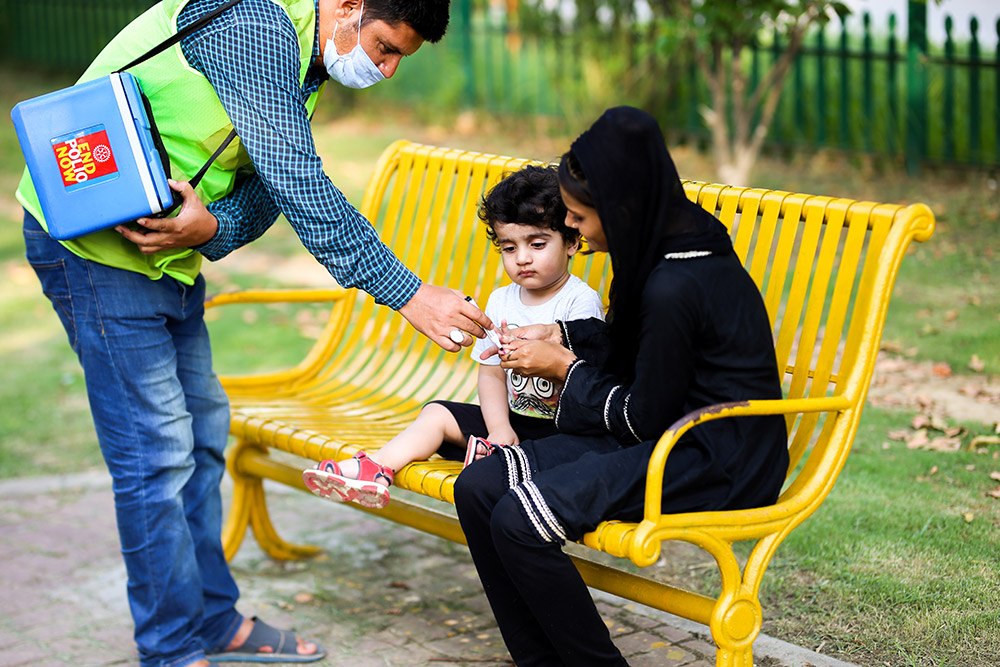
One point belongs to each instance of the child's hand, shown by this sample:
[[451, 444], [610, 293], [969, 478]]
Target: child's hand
[[497, 337], [502, 436]]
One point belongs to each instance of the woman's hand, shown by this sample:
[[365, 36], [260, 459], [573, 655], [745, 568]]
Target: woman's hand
[[547, 332], [537, 358]]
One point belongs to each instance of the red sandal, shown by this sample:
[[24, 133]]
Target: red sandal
[[327, 480], [478, 448]]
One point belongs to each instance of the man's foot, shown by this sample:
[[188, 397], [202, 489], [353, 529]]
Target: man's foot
[[368, 487], [256, 641]]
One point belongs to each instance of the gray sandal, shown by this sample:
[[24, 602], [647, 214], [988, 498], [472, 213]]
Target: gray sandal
[[282, 642]]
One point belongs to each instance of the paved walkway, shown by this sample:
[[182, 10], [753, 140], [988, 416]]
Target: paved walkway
[[381, 595]]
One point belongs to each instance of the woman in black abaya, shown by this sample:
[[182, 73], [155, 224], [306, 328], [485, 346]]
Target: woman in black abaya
[[686, 328]]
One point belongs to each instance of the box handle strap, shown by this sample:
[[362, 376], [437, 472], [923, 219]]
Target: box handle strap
[[178, 200]]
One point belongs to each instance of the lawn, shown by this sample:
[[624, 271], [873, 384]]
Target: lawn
[[898, 567]]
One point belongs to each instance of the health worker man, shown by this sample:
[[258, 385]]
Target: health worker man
[[131, 298]]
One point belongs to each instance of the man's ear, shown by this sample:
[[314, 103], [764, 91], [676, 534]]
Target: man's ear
[[343, 8]]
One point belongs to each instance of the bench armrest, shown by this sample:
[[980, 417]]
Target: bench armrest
[[657, 462], [315, 360], [276, 296]]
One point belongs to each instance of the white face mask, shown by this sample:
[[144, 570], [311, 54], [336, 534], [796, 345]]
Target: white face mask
[[354, 69]]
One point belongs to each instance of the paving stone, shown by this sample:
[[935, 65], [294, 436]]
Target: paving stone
[[645, 642], [700, 646], [23, 654], [8, 638]]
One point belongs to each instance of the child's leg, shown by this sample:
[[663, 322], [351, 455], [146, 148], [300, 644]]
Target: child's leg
[[434, 425]]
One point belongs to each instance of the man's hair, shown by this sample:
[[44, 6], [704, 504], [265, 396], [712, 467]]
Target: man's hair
[[428, 17], [527, 197]]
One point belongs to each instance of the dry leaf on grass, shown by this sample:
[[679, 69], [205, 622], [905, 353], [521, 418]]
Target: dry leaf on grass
[[941, 369], [994, 493], [918, 440], [901, 434], [995, 475], [976, 364], [945, 444], [981, 440]]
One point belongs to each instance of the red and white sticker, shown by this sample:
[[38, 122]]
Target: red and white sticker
[[85, 158]]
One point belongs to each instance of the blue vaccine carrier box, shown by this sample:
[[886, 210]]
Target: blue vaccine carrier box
[[91, 155]]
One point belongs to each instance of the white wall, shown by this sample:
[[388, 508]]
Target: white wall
[[987, 11]]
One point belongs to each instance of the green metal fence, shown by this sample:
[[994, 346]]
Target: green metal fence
[[882, 94]]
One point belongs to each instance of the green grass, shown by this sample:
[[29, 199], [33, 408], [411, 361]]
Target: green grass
[[898, 561], [888, 571]]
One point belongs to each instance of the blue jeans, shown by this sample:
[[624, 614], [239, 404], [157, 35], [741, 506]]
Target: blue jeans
[[162, 421]]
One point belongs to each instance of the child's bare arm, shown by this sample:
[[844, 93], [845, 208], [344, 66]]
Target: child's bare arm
[[493, 402]]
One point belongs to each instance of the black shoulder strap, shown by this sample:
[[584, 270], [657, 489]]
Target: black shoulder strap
[[196, 179], [180, 34]]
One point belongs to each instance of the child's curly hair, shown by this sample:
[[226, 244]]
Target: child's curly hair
[[529, 196]]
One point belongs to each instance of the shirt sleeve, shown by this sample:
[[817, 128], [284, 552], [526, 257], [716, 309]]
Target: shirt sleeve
[[595, 402], [253, 65], [587, 339], [244, 215]]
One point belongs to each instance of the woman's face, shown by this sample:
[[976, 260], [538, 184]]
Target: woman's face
[[585, 218]]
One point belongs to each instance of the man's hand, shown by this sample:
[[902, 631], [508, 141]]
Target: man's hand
[[193, 226], [437, 311]]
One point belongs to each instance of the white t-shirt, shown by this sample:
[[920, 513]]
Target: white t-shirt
[[536, 397]]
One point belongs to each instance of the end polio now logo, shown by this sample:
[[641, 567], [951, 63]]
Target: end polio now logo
[[85, 157]]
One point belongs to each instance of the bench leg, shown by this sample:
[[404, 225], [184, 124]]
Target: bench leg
[[249, 507], [737, 618], [735, 638]]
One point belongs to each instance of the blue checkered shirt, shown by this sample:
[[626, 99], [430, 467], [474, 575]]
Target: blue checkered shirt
[[250, 55]]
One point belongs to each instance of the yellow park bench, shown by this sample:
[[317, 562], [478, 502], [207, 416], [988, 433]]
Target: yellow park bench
[[825, 266]]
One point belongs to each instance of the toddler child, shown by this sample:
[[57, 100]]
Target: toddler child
[[525, 220]]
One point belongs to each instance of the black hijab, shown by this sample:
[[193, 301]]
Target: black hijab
[[644, 212]]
